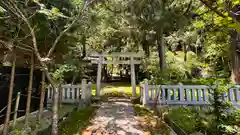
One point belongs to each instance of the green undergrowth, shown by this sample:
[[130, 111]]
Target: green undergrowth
[[76, 121], [184, 118], [193, 120], [116, 94]]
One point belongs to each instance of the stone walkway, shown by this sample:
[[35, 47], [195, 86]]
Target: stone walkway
[[115, 118]]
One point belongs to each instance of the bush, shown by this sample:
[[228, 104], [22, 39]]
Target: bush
[[193, 120]]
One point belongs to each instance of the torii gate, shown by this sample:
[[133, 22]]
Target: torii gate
[[115, 56]]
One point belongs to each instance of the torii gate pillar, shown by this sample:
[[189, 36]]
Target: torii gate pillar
[[115, 55], [133, 78], [99, 77]]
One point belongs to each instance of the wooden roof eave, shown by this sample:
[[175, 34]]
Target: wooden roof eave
[[21, 53]]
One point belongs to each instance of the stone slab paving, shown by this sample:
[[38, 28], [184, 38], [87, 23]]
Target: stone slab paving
[[115, 118]]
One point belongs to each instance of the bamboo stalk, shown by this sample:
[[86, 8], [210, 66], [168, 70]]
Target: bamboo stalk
[[29, 90], [42, 97], [16, 110], [6, 124]]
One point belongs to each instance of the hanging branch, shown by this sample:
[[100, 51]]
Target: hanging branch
[[214, 9]]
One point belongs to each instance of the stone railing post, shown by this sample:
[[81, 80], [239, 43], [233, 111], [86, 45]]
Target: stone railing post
[[82, 102], [133, 77], [84, 90], [89, 97], [141, 90], [99, 77], [145, 94], [181, 93]]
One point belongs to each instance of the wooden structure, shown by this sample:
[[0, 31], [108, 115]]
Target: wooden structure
[[130, 58], [72, 93], [185, 95]]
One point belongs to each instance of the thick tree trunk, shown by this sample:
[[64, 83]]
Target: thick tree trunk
[[160, 40], [185, 52], [84, 47], [42, 97], [161, 51], [28, 105], [235, 76], [187, 75], [55, 100], [8, 113], [146, 49]]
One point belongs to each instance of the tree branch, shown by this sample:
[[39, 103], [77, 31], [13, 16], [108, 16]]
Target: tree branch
[[6, 44], [214, 9], [79, 16], [188, 8]]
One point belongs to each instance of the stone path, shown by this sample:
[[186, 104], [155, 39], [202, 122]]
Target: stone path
[[116, 117]]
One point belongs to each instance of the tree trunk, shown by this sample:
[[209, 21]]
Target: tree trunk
[[42, 97], [60, 96], [161, 51], [187, 75], [8, 113], [28, 105], [55, 99], [84, 47], [55, 112], [146, 49], [74, 78], [185, 52], [235, 38]]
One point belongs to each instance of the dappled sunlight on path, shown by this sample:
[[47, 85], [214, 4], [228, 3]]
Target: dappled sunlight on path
[[115, 118]]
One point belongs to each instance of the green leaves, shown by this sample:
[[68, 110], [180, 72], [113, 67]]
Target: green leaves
[[52, 14], [62, 70], [236, 2]]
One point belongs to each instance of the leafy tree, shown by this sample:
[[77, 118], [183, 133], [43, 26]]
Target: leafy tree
[[35, 20]]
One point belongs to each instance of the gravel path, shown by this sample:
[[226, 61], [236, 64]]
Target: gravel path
[[115, 118]]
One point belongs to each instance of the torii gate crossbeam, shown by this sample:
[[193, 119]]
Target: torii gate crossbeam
[[114, 60]]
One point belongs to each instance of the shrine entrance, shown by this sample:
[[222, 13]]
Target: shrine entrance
[[129, 58]]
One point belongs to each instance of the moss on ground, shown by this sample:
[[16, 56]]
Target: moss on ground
[[76, 121]]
